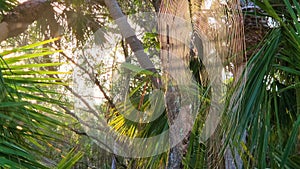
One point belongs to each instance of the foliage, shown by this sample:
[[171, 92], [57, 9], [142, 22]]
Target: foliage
[[29, 114], [7, 5], [265, 104], [71, 158]]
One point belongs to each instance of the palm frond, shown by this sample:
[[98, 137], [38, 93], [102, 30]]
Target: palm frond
[[7, 5], [69, 160], [265, 106], [29, 112]]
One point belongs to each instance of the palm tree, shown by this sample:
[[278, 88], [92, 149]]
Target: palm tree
[[30, 115], [261, 120], [266, 100]]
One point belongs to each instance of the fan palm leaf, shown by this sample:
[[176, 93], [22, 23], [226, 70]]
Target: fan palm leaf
[[29, 114], [266, 104]]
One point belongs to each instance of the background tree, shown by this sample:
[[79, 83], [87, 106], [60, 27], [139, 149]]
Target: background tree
[[262, 108]]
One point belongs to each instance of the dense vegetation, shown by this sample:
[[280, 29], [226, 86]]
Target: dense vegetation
[[70, 76]]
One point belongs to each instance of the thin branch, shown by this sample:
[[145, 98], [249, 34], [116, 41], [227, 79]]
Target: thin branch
[[129, 34], [94, 79]]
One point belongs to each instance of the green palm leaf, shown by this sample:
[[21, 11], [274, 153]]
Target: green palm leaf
[[266, 105], [29, 109]]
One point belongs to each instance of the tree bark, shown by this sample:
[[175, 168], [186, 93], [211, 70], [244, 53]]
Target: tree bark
[[17, 21], [156, 4], [129, 34], [174, 29]]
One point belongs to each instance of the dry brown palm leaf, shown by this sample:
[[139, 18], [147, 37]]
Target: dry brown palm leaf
[[219, 26]]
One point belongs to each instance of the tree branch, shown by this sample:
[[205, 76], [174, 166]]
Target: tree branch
[[94, 79], [17, 21], [131, 38]]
